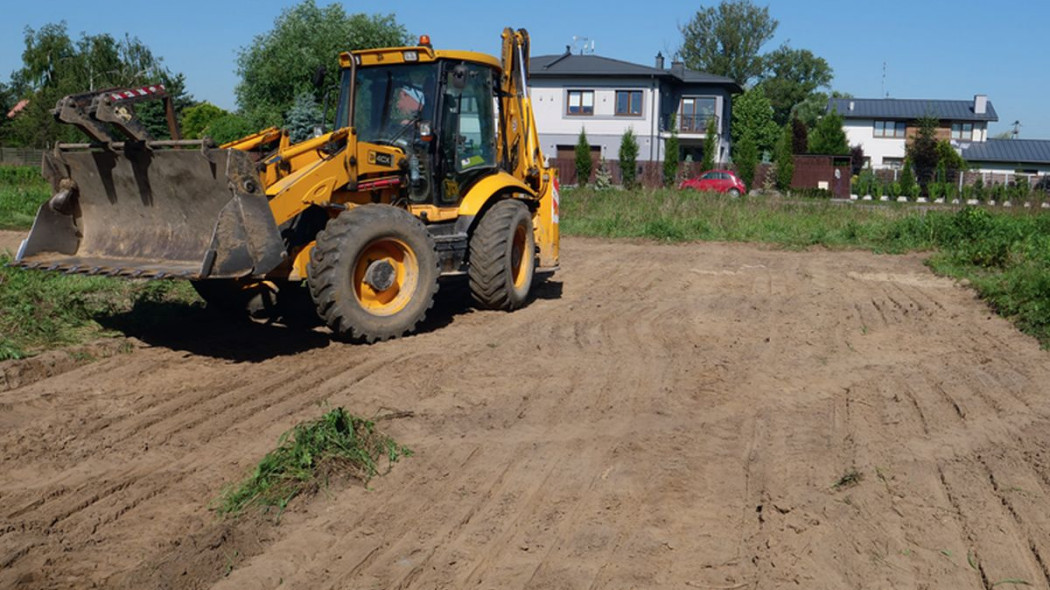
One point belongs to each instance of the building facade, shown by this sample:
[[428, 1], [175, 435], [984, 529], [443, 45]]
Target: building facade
[[604, 97], [883, 127]]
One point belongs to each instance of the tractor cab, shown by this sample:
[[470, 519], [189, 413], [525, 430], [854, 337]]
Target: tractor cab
[[438, 109]]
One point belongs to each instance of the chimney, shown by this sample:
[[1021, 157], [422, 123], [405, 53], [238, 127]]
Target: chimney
[[660, 60], [851, 104], [980, 104], [678, 69]]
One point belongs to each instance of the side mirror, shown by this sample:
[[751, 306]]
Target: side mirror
[[459, 77]]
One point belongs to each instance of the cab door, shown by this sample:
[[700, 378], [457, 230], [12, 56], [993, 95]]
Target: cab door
[[467, 145]]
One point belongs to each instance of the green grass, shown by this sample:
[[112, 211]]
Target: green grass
[[41, 310], [675, 215], [337, 444], [22, 190], [1004, 253]]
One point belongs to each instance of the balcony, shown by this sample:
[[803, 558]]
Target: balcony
[[690, 124]]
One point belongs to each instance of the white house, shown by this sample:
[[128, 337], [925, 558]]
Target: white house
[[883, 126], [605, 97]]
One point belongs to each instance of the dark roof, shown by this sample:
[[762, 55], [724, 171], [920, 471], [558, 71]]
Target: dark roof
[[909, 109], [1019, 151], [569, 65]]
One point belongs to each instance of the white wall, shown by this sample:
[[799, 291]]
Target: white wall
[[604, 128], [862, 132]]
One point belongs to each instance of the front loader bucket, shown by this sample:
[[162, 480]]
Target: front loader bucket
[[153, 209]]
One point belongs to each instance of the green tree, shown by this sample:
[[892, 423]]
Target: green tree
[[810, 110], [753, 117], [745, 157], [671, 156], [53, 66], [792, 76], [303, 117], [230, 127], [922, 151], [785, 160], [727, 40], [154, 114], [280, 64], [197, 118], [907, 179], [584, 163], [799, 137], [950, 161], [827, 137], [629, 159], [710, 145], [856, 159]]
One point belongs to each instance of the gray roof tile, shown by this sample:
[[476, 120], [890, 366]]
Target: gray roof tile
[[567, 64], [1020, 151], [909, 109]]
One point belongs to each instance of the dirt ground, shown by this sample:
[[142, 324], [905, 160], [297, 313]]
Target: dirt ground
[[712, 416]]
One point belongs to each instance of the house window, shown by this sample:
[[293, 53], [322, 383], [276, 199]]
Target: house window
[[890, 128], [962, 131], [629, 103], [694, 112], [581, 102]]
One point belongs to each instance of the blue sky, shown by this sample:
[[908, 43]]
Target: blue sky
[[936, 50]]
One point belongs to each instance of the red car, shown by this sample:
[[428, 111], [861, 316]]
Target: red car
[[717, 181]]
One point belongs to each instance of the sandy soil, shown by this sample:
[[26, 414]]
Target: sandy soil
[[662, 416]]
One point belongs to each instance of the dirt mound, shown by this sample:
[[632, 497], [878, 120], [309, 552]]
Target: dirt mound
[[686, 416]]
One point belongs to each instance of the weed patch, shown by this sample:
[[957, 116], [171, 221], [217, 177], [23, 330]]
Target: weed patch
[[848, 480], [22, 191], [337, 444], [40, 310]]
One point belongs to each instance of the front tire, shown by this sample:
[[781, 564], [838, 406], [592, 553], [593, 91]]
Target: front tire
[[373, 273], [502, 257]]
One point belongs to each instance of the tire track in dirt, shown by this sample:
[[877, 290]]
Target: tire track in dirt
[[623, 430]]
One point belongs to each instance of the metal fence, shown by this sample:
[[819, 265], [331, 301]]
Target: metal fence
[[16, 156]]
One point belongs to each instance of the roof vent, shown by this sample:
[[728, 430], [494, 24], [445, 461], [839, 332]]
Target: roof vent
[[980, 104]]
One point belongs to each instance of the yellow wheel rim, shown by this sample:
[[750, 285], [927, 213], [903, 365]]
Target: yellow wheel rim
[[385, 275], [518, 259]]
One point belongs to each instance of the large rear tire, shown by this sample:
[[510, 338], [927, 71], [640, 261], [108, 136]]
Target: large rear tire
[[503, 257], [373, 273]]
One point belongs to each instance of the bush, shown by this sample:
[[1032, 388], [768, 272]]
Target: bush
[[746, 158], [584, 164], [671, 155], [710, 145], [628, 159], [784, 161], [228, 128]]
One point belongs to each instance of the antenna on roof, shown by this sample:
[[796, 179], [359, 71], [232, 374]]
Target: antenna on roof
[[587, 45], [884, 93]]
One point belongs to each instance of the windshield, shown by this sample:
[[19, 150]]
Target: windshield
[[390, 100]]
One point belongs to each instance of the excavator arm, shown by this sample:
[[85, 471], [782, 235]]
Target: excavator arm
[[519, 145]]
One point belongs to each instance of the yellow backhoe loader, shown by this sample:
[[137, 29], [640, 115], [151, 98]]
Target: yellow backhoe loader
[[433, 170]]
